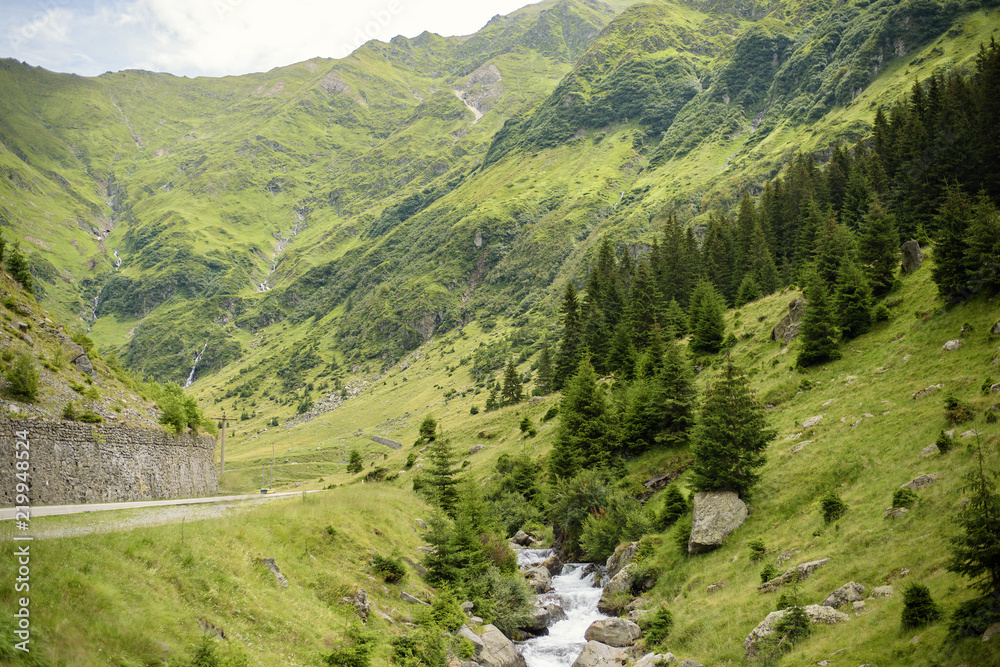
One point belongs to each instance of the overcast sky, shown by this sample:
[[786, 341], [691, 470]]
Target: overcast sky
[[219, 37]]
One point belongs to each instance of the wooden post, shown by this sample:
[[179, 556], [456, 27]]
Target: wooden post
[[222, 467]]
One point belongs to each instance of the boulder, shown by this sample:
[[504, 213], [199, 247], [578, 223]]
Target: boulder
[[969, 434], [553, 564], [654, 659], [995, 387], [497, 650], [406, 597], [895, 512], [849, 592], [921, 482], [929, 450], [800, 572], [691, 663], [360, 603], [539, 579], [996, 329], [817, 614], [788, 327], [476, 640], [475, 449], [952, 345], [596, 654], [622, 556], [273, 567], [522, 539], [620, 583], [882, 592], [927, 390], [991, 632], [912, 257], [83, 364], [812, 422], [613, 632], [716, 515], [544, 617]]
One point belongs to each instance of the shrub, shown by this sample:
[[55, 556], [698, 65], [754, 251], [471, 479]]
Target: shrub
[[356, 652], [69, 412], [445, 610], [22, 379], [656, 626], [881, 313], [991, 416], [956, 411], [833, 507], [473, 410], [944, 442], [904, 498], [527, 428], [757, 549], [918, 607], [550, 414], [390, 569], [90, 417], [974, 616], [675, 505], [790, 629], [785, 600], [355, 462], [768, 573], [984, 388], [273, 422], [509, 600], [682, 533]]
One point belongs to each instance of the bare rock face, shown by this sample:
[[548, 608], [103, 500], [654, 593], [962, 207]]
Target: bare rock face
[[613, 632], [817, 614], [716, 515], [596, 654], [912, 256], [788, 327], [849, 592], [622, 556], [800, 572]]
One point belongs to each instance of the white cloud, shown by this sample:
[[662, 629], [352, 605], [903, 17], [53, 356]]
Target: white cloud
[[219, 37]]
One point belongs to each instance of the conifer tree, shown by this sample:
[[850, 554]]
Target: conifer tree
[[953, 261], [493, 400], [622, 355], [675, 321], [749, 291], [677, 399], [18, 267], [586, 432], [442, 477], [853, 301], [731, 437], [834, 246], [571, 345], [976, 552], [543, 380], [513, 391], [983, 247], [643, 310], [708, 328], [878, 248], [818, 333], [718, 256]]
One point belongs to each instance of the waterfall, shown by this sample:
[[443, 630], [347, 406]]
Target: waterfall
[[578, 592], [195, 366]]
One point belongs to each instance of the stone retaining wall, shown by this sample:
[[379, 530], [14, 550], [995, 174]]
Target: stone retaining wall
[[71, 462]]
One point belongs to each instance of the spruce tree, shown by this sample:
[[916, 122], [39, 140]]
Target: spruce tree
[[543, 380], [512, 392], [677, 399], [731, 437], [878, 248], [18, 267], [622, 355], [442, 477], [675, 324], [708, 328], [853, 301], [818, 332], [571, 345], [975, 553], [749, 291], [834, 246], [586, 431]]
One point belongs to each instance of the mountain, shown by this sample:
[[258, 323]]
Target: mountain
[[417, 185]]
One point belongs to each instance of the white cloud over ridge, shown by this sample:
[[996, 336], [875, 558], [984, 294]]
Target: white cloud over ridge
[[218, 37]]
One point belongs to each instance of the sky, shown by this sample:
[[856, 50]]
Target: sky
[[219, 37]]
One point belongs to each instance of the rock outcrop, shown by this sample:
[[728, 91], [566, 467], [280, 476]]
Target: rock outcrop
[[921, 482], [788, 327], [620, 583], [497, 650], [539, 578], [655, 659], [622, 556], [613, 632], [817, 614], [800, 572], [912, 256], [848, 593], [716, 515]]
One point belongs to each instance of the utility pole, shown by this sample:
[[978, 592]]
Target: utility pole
[[222, 468]]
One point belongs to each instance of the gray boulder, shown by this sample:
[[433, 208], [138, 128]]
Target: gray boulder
[[522, 539], [620, 583], [996, 329], [360, 603], [613, 632], [812, 422], [596, 654], [654, 659], [800, 572], [818, 614], [622, 556], [477, 642], [497, 650], [952, 345], [991, 632], [930, 450], [553, 564], [927, 390], [544, 617], [273, 567], [912, 257], [406, 597], [882, 591], [895, 512], [921, 482], [849, 592], [716, 515], [788, 327], [539, 579]]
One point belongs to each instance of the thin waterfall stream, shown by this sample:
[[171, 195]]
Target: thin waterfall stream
[[577, 591]]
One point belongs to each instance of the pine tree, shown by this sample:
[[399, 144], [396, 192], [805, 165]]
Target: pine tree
[[512, 392], [878, 248], [543, 380], [643, 309], [708, 328], [853, 301], [441, 474], [586, 433], [834, 246], [749, 291], [493, 400], [983, 247], [818, 333], [677, 399], [675, 321], [622, 355], [571, 345], [18, 267], [975, 553], [731, 437]]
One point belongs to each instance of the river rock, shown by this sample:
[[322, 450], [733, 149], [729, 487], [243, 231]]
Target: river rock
[[921, 482], [613, 632], [539, 578], [849, 592], [817, 613], [654, 659], [497, 650], [716, 515], [788, 327], [912, 256], [800, 572], [596, 654], [544, 617], [622, 556], [522, 539], [619, 584], [553, 564]]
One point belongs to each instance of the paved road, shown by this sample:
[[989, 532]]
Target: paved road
[[51, 510]]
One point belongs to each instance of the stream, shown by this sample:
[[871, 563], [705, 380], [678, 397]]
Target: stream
[[576, 593]]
